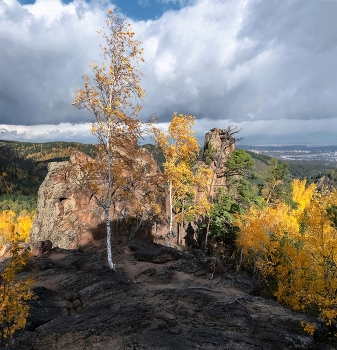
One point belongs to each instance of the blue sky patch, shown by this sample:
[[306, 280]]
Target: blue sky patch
[[135, 9]]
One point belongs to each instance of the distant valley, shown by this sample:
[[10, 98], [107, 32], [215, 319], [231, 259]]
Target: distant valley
[[23, 165], [325, 154]]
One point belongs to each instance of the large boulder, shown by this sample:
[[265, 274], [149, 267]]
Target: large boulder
[[69, 217], [64, 215]]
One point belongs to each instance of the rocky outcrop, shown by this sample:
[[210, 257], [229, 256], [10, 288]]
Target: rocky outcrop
[[70, 217], [324, 183], [218, 146], [64, 215], [82, 304]]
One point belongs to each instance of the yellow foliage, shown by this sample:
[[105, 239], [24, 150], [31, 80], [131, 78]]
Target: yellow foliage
[[295, 250], [187, 188], [23, 225], [15, 227], [113, 97], [309, 327], [14, 295]]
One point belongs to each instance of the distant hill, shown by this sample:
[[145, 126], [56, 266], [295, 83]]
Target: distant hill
[[40, 152], [299, 169], [23, 165]]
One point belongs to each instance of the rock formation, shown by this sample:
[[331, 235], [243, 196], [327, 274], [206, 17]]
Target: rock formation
[[69, 218], [218, 146], [159, 298]]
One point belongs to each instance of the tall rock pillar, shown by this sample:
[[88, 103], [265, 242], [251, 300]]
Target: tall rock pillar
[[218, 146]]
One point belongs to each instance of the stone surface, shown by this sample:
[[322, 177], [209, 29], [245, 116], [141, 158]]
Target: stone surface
[[218, 146], [152, 252], [70, 218], [83, 304], [64, 215]]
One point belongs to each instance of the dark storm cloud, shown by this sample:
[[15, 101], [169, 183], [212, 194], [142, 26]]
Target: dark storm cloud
[[234, 61], [270, 59], [301, 37], [42, 59]]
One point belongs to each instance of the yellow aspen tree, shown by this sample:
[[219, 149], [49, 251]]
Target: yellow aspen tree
[[14, 295], [14, 226], [296, 249], [23, 225], [180, 148], [112, 96], [7, 226], [194, 203], [320, 244]]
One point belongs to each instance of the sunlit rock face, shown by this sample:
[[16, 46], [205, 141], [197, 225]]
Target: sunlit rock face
[[69, 217], [218, 146], [64, 215]]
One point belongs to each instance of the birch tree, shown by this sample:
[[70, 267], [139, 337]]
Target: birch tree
[[180, 148], [113, 95]]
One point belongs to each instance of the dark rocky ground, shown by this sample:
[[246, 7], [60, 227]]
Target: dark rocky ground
[[159, 298]]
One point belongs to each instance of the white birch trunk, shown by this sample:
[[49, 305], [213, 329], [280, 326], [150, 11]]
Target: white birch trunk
[[106, 209], [171, 214], [108, 240]]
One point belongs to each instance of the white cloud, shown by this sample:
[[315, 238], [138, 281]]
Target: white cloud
[[222, 60], [252, 131], [45, 51], [165, 67], [47, 132]]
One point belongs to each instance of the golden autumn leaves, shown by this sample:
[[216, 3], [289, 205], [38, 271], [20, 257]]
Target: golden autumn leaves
[[294, 248], [112, 95], [291, 246], [187, 187], [116, 82], [14, 292], [15, 227], [14, 295]]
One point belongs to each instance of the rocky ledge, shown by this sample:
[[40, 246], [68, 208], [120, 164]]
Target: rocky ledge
[[159, 298]]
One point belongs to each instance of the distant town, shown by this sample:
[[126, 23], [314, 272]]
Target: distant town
[[296, 152]]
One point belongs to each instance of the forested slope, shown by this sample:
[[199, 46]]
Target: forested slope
[[23, 167]]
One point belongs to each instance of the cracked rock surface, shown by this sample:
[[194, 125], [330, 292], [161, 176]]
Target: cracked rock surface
[[158, 298]]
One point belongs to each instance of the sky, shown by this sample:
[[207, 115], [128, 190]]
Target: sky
[[267, 67]]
